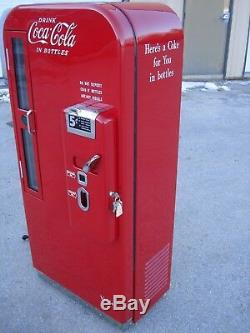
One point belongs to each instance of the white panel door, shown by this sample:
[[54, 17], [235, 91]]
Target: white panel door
[[206, 29], [247, 68]]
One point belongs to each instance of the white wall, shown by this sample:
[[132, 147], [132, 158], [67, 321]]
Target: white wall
[[238, 39], [176, 5]]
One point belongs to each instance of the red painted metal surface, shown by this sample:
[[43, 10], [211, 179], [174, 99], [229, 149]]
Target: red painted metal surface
[[128, 57]]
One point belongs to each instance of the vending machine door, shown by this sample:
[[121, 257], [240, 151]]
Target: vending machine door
[[72, 96], [90, 141]]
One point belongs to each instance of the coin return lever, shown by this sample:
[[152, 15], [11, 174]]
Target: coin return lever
[[91, 163]]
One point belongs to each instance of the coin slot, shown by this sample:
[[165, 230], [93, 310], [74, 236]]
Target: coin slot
[[83, 199], [82, 178]]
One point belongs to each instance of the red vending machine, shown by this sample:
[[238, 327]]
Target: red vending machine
[[95, 96]]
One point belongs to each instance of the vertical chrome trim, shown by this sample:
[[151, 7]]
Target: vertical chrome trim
[[7, 59], [20, 169]]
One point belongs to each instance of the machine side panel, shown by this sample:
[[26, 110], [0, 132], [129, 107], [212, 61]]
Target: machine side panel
[[159, 69]]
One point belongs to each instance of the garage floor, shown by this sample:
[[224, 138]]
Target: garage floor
[[211, 274]]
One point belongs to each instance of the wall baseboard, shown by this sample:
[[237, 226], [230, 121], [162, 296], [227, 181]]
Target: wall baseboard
[[203, 77]]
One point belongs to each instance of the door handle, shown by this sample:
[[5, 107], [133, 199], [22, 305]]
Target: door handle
[[28, 121], [225, 16]]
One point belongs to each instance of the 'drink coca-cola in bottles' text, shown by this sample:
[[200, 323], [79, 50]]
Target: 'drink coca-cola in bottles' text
[[50, 35]]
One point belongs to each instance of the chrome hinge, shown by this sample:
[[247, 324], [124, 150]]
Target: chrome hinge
[[7, 59], [21, 169]]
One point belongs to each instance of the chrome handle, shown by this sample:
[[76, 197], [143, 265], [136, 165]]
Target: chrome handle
[[87, 166], [28, 121]]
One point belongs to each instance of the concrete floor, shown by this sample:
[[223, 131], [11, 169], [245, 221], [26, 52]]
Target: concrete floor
[[210, 278]]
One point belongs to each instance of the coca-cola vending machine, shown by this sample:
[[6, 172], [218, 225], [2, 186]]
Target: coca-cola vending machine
[[95, 96]]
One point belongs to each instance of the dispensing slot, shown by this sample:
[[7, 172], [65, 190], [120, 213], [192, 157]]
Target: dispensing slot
[[83, 199]]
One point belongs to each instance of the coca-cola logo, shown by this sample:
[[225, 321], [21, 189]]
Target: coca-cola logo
[[61, 34]]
